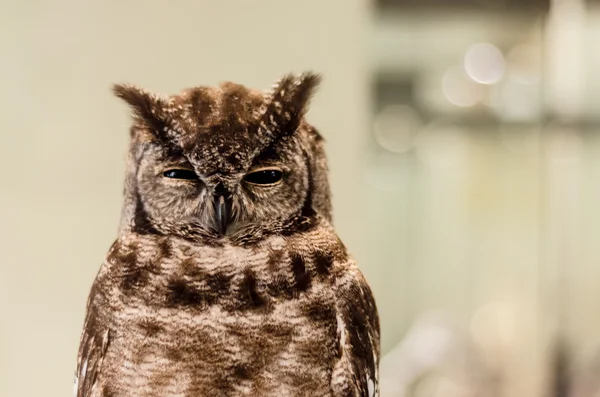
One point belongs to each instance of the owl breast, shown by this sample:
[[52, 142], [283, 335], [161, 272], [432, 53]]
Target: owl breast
[[190, 320]]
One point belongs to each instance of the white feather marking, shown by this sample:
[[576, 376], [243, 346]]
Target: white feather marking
[[105, 340], [342, 328], [75, 384], [84, 369], [277, 242], [371, 387]]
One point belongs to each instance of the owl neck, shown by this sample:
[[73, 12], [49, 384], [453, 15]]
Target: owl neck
[[303, 222]]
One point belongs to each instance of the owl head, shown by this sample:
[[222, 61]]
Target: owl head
[[223, 162]]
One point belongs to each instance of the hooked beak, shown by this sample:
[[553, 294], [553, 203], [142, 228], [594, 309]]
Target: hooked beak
[[222, 206]]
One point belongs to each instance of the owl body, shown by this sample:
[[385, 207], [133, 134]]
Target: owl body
[[223, 282]]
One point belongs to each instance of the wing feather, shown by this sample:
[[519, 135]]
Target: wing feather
[[92, 349], [357, 371]]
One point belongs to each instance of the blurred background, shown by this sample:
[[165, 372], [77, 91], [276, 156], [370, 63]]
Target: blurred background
[[464, 147]]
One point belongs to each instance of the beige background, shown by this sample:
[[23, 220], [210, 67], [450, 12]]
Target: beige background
[[494, 225], [64, 137]]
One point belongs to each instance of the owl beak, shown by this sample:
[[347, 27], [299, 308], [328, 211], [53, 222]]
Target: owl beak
[[222, 213], [222, 207]]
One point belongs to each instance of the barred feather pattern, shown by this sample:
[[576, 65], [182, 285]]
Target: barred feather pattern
[[285, 317]]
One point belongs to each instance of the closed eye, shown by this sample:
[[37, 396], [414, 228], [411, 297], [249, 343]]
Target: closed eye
[[180, 174], [264, 177]]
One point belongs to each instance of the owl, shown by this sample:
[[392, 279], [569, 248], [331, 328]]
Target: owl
[[227, 277]]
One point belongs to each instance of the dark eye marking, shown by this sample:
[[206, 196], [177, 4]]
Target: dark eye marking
[[264, 177], [180, 174]]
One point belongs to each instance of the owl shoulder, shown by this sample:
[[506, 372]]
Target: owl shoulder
[[358, 333]]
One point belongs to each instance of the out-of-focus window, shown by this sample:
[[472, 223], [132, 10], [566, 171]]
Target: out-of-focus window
[[484, 184]]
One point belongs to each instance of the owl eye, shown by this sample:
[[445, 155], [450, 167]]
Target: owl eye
[[180, 174], [269, 176]]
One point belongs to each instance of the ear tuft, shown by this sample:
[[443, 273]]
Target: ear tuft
[[286, 104], [144, 104], [147, 108], [306, 85]]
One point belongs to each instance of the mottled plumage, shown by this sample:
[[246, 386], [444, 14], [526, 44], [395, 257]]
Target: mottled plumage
[[227, 278]]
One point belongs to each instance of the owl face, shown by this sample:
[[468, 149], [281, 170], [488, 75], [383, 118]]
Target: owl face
[[221, 160]]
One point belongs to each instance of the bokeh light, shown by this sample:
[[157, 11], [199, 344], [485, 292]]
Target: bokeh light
[[516, 101], [484, 63], [429, 94], [460, 90], [396, 126]]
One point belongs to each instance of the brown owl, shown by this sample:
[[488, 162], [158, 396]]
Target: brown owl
[[227, 278]]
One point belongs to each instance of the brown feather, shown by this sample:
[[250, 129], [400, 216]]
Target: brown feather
[[273, 307]]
